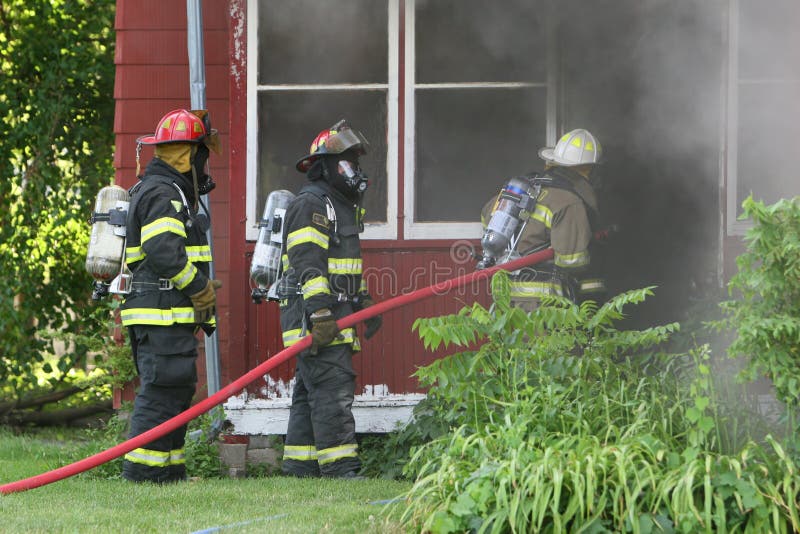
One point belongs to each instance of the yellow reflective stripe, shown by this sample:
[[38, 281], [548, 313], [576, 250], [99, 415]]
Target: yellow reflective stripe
[[327, 456], [148, 457], [348, 335], [199, 253], [534, 289], [285, 262], [316, 286], [307, 234], [302, 453], [177, 456], [543, 214], [579, 259], [290, 337], [185, 276], [344, 265], [157, 317], [159, 226], [133, 254], [592, 285], [363, 287]]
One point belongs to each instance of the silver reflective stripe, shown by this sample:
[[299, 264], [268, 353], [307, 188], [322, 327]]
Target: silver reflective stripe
[[327, 456], [177, 456], [302, 453], [533, 289]]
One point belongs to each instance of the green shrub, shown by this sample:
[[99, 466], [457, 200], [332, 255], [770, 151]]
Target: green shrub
[[766, 315], [559, 422]]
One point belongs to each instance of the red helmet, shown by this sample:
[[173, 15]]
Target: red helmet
[[334, 140], [177, 126]]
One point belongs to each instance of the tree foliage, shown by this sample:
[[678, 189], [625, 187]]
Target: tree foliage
[[766, 313], [56, 151]]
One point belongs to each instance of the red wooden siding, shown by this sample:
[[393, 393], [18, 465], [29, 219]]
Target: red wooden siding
[[395, 352], [153, 78]]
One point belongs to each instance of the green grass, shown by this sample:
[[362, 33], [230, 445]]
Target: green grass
[[273, 504]]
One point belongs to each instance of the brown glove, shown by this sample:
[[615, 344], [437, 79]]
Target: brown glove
[[323, 329], [373, 324], [204, 301]]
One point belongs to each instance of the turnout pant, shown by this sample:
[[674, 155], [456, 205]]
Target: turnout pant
[[321, 438], [167, 385]]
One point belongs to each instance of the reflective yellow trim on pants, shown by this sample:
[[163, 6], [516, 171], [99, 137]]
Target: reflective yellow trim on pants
[[148, 457], [326, 456], [301, 453], [177, 456]]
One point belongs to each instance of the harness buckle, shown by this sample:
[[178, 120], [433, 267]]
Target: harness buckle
[[165, 284]]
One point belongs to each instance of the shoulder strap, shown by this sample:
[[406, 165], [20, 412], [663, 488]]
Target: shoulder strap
[[319, 192], [552, 178]]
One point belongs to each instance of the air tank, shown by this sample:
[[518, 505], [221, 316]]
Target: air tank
[[106, 250], [266, 263]]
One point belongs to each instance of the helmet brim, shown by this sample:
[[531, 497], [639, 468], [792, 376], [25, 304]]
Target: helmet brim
[[211, 141], [305, 163], [548, 154]]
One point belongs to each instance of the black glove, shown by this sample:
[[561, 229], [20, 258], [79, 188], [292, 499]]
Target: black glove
[[373, 324], [323, 329]]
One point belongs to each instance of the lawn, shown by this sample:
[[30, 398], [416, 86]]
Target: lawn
[[270, 504]]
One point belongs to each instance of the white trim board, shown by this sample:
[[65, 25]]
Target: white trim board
[[373, 414]]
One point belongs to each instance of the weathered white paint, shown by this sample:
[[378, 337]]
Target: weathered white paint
[[375, 411]]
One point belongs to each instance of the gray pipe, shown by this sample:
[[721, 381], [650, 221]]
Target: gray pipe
[[197, 89]]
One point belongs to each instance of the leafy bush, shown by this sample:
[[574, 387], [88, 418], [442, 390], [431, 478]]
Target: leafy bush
[[766, 317], [560, 422]]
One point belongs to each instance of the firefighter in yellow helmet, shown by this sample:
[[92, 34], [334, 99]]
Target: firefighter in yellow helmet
[[171, 295], [322, 282], [562, 214]]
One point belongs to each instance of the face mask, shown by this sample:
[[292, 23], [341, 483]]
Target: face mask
[[353, 176], [205, 184]]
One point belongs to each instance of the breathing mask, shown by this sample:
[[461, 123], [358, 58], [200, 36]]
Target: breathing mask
[[205, 184], [353, 176]]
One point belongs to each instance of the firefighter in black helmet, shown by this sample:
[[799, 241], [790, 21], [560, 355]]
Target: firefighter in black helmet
[[322, 282], [171, 295]]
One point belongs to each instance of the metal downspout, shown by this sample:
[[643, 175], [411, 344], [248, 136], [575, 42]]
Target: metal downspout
[[197, 89]]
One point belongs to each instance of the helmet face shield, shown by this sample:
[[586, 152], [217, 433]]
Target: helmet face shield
[[335, 140], [346, 140]]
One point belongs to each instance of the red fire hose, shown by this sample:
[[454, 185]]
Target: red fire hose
[[258, 372]]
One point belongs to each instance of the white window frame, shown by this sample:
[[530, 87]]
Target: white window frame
[[735, 227], [454, 230], [383, 230]]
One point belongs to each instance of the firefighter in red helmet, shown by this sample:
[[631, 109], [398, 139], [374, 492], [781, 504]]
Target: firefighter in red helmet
[[322, 282], [171, 294]]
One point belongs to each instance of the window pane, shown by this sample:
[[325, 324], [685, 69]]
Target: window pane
[[479, 41], [289, 121], [767, 164], [469, 142], [322, 42], [769, 39]]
